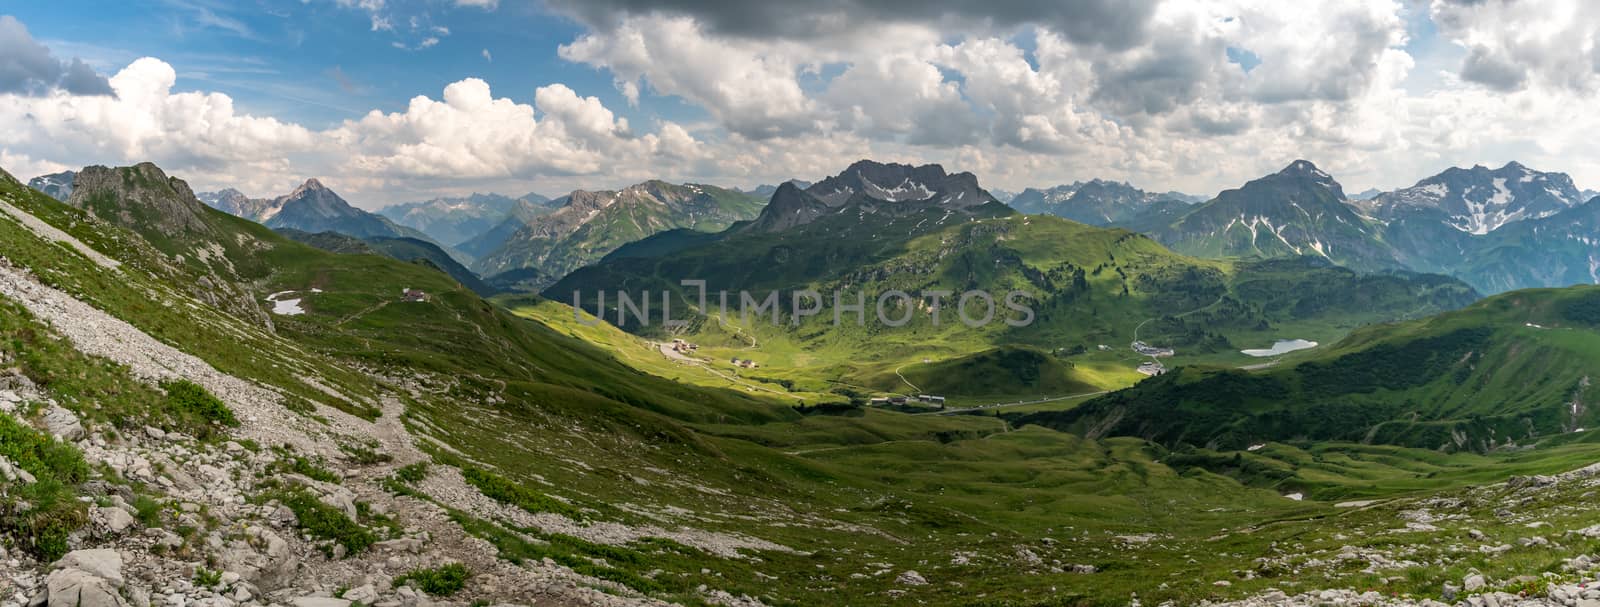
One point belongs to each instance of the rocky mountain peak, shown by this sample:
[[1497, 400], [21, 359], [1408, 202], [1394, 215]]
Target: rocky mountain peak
[[55, 185], [1306, 171], [1479, 200], [311, 185], [135, 195]]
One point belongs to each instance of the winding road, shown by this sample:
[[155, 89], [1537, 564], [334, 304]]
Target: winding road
[[1011, 404]]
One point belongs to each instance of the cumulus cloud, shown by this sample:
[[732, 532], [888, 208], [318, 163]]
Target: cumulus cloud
[[1155, 94], [466, 135], [28, 67], [1511, 45], [146, 120], [750, 88], [1114, 24], [470, 135]]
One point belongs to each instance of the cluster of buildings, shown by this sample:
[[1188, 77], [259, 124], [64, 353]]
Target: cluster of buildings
[[1149, 350], [1153, 367], [745, 363], [413, 295], [683, 347], [928, 399]]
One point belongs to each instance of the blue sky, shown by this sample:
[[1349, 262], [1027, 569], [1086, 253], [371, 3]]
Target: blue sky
[[555, 95], [317, 63]]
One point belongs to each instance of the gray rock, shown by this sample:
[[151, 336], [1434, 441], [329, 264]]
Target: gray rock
[[319, 601], [911, 578], [10, 472], [63, 423], [366, 594], [79, 588], [100, 562], [1473, 582], [115, 520]]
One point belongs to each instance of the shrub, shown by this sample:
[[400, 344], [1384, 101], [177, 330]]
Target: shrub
[[207, 578], [502, 490], [326, 522], [438, 581], [42, 514], [412, 473], [365, 455], [147, 510], [192, 403], [304, 466]]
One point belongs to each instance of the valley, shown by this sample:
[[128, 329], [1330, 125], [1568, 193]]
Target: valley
[[586, 463], [659, 303]]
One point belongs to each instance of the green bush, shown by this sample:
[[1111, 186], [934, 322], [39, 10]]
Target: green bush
[[412, 473], [326, 522], [302, 465], [40, 516], [192, 403], [365, 455], [500, 489], [438, 581], [207, 578], [147, 510]]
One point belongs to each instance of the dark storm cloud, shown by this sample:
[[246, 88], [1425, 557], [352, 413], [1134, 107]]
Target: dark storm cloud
[[1484, 68], [28, 68], [1114, 24]]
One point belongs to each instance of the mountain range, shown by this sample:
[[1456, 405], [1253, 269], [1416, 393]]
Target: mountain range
[[1298, 211], [930, 231], [868, 187], [1498, 229], [1101, 203], [765, 191], [192, 403], [586, 225], [457, 221], [55, 185], [311, 208], [1479, 200]]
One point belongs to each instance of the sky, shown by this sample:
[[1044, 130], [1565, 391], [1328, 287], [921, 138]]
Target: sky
[[388, 101]]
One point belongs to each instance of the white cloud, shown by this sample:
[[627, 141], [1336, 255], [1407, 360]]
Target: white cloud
[[24, 167], [1330, 80], [471, 135], [1511, 45], [750, 90], [195, 132], [467, 136]]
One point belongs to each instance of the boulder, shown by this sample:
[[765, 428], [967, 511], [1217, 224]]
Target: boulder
[[319, 601], [365, 594], [114, 520], [86, 578], [78, 588], [1473, 582], [911, 578], [59, 421], [100, 562]]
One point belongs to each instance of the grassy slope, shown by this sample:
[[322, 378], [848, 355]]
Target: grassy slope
[[1094, 285], [863, 498], [1515, 368]]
